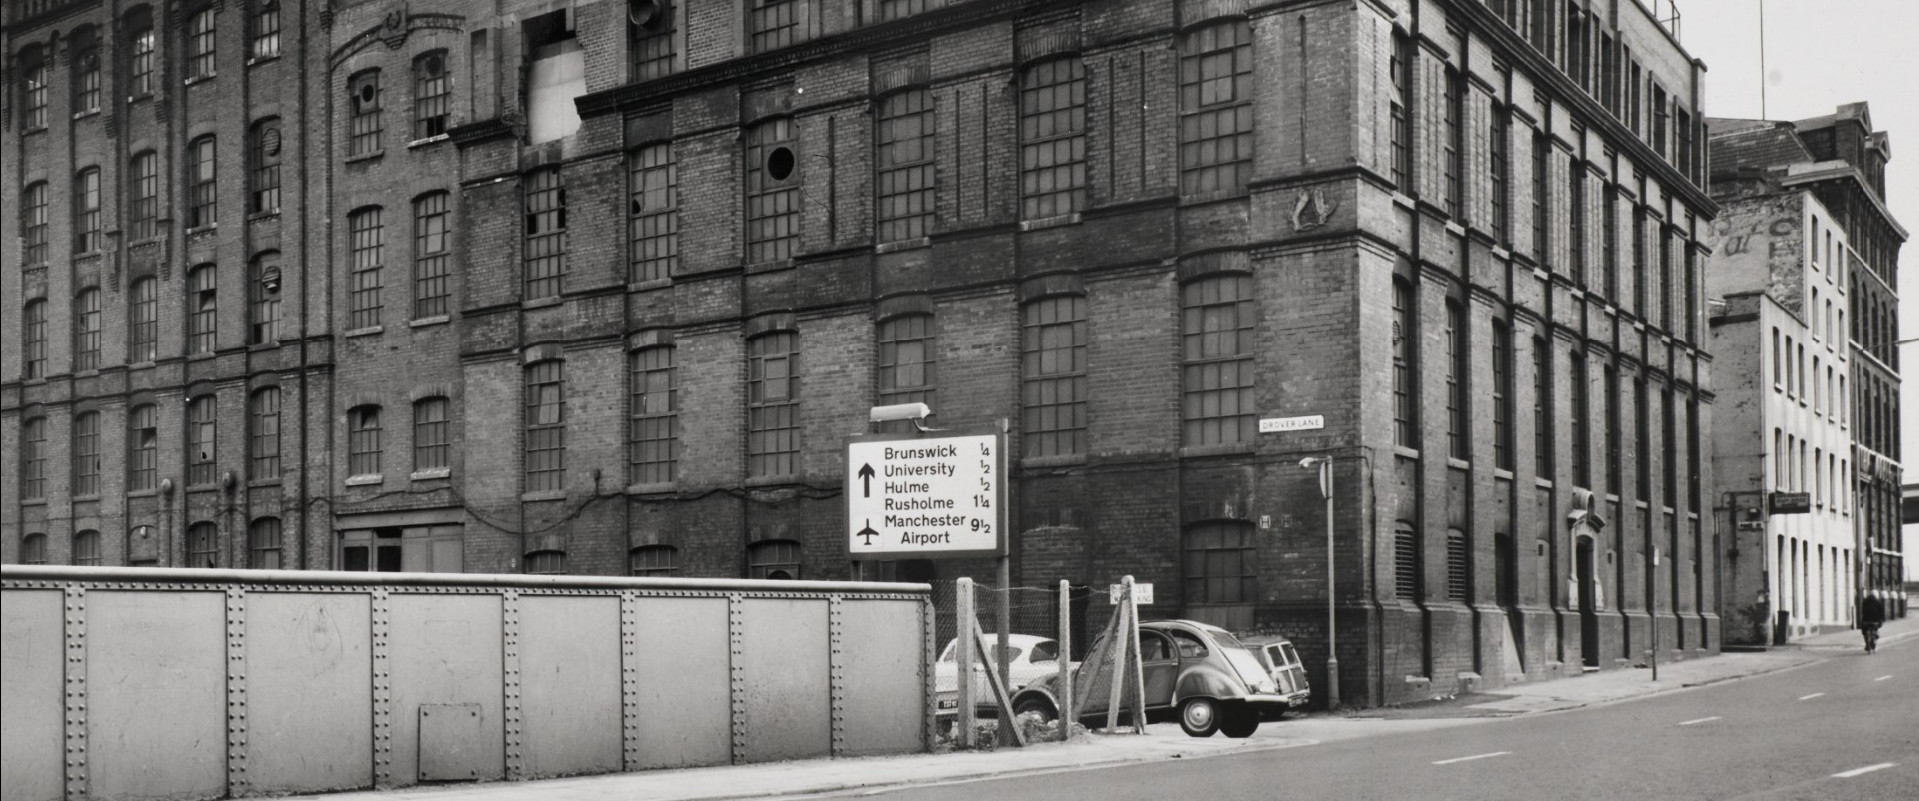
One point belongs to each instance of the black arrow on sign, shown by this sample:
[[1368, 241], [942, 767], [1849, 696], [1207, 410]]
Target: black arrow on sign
[[866, 480], [868, 532]]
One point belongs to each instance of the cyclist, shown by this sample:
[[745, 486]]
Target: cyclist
[[1872, 613]]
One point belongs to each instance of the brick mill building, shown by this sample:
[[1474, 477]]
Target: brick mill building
[[604, 287]]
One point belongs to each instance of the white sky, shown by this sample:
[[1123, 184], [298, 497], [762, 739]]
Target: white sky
[[1820, 54]]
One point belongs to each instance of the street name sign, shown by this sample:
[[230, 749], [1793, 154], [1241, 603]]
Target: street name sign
[[925, 498], [1274, 425]]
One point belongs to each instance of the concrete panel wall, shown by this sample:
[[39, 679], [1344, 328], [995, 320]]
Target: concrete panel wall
[[139, 683]]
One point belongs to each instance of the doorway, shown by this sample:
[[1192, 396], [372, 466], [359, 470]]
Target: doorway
[[1588, 603]]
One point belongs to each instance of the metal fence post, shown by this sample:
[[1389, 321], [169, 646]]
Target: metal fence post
[[1065, 628], [963, 658]]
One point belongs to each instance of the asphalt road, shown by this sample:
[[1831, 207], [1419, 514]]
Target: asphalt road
[[1844, 728]]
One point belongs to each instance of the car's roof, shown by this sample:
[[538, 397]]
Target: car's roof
[[1265, 639]]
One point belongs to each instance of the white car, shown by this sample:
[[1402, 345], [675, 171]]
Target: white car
[[1032, 657]]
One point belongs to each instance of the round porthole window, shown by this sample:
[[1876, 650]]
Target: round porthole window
[[780, 163], [366, 93]]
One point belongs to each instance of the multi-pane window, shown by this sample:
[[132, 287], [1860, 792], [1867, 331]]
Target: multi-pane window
[[1452, 143], [1459, 567], [143, 439], [86, 548], [907, 369], [905, 180], [263, 544], [363, 441], [38, 75], [202, 185], [772, 196], [1499, 164], [203, 548], [1405, 560], [140, 59], [202, 309], [1216, 108], [1609, 241], [202, 438], [1401, 68], [432, 256], [1404, 433], [773, 559], [200, 38], [1580, 425], [263, 299], [33, 458], [143, 210], [266, 30], [86, 211], [653, 560], [432, 95], [263, 176], [86, 80], [545, 425], [1052, 123], [546, 563], [1614, 464], [363, 291], [1053, 362], [1502, 397], [654, 446], [895, 9], [1458, 430], [1665, 278], [34, 224], [363, 135], [432, 434], [33, 339], [1542, 148], [774, 23], [545, 234], [1639, 260], [1542, 435], [263, 434], [652, 43], [654, 209], [86, 330], [86, 454], [1216, 323], [1221, 561], [143, 321], [773, 404], [33, 549], [1576, 220]]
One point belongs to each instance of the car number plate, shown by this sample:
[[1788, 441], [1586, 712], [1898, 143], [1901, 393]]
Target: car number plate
[[949, 704]]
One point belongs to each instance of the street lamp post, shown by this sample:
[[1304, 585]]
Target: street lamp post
[[1325, 465]]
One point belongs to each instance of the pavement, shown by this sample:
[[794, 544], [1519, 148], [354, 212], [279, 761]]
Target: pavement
[[1165, 741]]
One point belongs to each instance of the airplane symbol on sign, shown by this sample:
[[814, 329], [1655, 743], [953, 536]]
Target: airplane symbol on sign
[[868, 533]]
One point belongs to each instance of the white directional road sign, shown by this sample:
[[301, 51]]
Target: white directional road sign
[[924, 498]]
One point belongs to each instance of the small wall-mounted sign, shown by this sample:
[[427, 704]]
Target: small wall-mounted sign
[[1274, 425], [1791, 503]]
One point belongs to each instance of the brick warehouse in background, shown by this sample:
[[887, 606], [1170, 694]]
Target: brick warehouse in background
[[603, 287]]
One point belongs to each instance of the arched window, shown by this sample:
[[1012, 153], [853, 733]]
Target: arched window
[[432, 434], [86, 454], [773, 404], [33, 221], [203, 420], [1052, 125], [36, 75], [904, 205], [203, 187], [200, 44], [1216, 108], [86, 71], [363, 441], [86, 330], [653, 560], [203, 309], [263, 434], [772, 191], [33, 549], [140, 52], [263, 176], [907, 365], [143, 435], [545, 425], [654, 206], [1406, 560], [1053, 360], [263, 544], [263, 299], [363, 101], [552, 563], [545, 254], [773, 559], [86, 211], [367, 240], [266, 30], [33, 339], [654, 444], [1404, 408], [432, 256], [33, 458], [1217, 329], [86, 548], [203, 545], [1221, 564], [143, 209], [432, 95]]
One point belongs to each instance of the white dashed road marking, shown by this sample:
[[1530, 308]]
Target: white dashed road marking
[[1471, 758], [1810, 697], [1699, 720], [1867, 769], [1882, 678]]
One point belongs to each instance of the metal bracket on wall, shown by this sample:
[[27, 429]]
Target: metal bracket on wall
[[836, 668], [237, 781], [76, 630], [736, 649], [510, 672], [382, 689]]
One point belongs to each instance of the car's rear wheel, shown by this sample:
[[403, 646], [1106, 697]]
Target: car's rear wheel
[[1199, 717], [1035, 707], [1240, 721]]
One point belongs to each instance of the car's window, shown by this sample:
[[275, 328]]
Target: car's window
[[1045, 652], [1154, 646], [951, 654], [1292, 656], [1190, 646], [1224, 639]]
